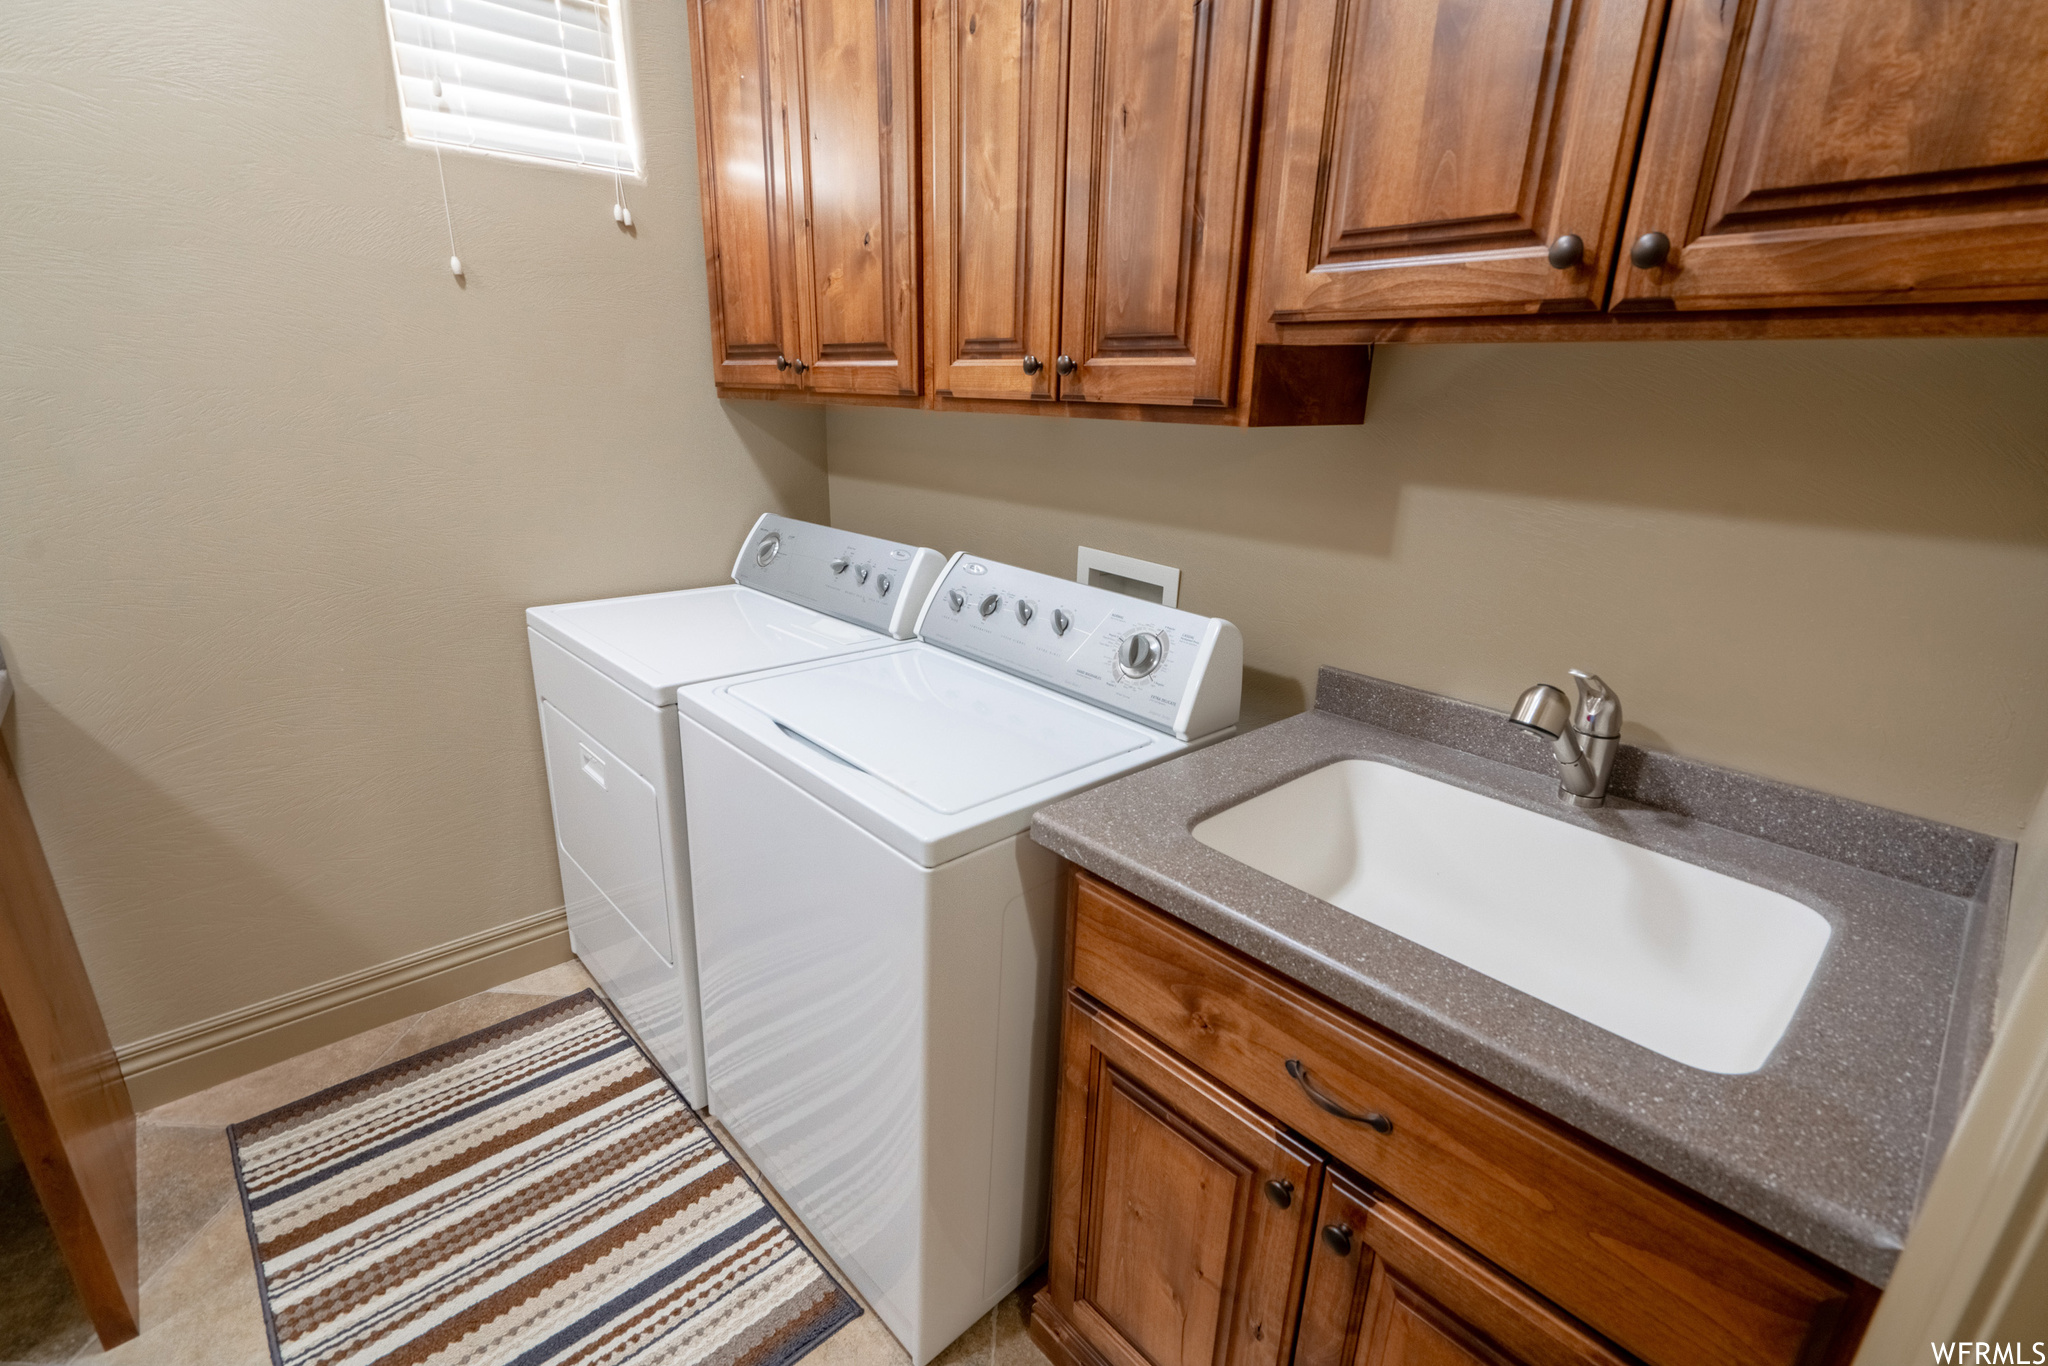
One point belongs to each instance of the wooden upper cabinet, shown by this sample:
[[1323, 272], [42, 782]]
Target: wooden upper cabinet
[[1386, 1289], [1160, 127], [1845, 152], [742, 172], [1422, 156], [853, 113], [1180, 1216], [995, 107]]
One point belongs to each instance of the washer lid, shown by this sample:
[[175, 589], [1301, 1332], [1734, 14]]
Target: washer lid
[[655, 643], [944, 732]]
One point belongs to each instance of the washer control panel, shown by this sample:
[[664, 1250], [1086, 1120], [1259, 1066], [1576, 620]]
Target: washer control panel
[[1128, 656], [863, 579]]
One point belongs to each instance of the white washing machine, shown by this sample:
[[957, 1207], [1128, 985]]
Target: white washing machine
[[606, 674], [878, 937]]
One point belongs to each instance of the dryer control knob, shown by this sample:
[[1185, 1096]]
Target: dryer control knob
[[882, 584], [989, 604], [1060, 621], [1025, 611], [838, 566], [770, 547], [957, 598], [860, 571]]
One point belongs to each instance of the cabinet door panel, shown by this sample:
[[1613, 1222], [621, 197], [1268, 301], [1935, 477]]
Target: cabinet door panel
[[857, 289], [1386, 1289], [1425, 153], [743, 177], [1830, 152], [1159, 141], [996, 105], [1167, 1248]]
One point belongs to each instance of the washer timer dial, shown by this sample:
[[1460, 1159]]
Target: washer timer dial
[[1140, 654]]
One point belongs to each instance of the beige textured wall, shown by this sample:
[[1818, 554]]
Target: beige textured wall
[[274, 489], [1826, 562]]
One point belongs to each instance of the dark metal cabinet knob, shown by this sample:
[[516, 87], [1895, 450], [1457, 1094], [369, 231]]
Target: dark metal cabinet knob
[[1337, 1237], [1281, 1193], [1566, 252], [800, 366], [782, 362], [1032, 365], [1065, 365], [1651, 250]]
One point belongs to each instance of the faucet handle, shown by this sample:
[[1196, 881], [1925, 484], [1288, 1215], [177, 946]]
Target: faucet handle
[[1599, 711]]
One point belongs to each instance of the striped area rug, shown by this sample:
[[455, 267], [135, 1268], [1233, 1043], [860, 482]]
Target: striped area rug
[[535, 1194]]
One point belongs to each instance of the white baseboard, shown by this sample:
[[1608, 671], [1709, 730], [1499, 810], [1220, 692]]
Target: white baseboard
[[193, 1057]]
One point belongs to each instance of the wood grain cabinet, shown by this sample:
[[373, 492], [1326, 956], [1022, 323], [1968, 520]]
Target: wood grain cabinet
[[1805, 153], [1439, 157], [1753, 159], [1246, 1174], [1184, 1214], [1090, 172], [806, 135], [1386, 1289]]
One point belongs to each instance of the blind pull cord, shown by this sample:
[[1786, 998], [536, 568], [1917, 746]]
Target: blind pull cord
[[621, 215], [447, 215]]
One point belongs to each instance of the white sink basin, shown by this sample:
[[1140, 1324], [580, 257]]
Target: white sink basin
[[1701, 967]]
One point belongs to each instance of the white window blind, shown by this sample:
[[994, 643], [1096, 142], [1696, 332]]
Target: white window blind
[[543, 80]]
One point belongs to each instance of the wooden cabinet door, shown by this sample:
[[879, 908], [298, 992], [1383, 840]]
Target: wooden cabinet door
[[1181, 1216], [1845, 152], [1386, 1289], [995, 109], [853, 78], [743, 178], [1160, 122], [1422, 156]]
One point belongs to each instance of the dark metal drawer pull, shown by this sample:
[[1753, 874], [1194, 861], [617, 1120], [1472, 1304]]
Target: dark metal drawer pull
[[1338, 1238], [1373, 1118], [1280, 1192]]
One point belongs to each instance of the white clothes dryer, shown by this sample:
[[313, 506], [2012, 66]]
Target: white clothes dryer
[[878, 937], [605, 675]]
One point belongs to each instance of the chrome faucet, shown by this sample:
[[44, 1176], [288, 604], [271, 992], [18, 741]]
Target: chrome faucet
[[1583, 738]]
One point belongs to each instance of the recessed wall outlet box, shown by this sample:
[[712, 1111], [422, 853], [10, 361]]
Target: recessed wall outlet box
[[1132, 577]]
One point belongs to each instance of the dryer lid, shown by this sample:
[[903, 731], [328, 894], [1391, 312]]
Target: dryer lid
[[945, 732], [657, 642]]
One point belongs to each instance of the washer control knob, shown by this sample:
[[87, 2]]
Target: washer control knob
[[1025, 611], [1060, 621], [770, 547], [838, 566], [1139, 655], [860, 572], [989, 605], [882, 584], [957, 598]]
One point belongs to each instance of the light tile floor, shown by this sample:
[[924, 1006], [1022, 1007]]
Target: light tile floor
[[199, 1300]]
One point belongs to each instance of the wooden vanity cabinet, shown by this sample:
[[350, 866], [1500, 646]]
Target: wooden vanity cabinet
[[1184, 1214], [1804, 153], [1478, 1229], [1386, 1289], [806, 133]]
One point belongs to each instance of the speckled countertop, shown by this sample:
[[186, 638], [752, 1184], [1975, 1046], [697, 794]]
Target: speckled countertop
[[1830, 1143]]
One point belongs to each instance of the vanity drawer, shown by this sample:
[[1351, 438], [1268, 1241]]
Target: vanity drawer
[[1629, 1254]]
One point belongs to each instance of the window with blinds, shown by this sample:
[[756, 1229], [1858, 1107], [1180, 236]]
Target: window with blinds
[[541, 80]]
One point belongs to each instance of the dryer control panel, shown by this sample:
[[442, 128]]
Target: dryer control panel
[[863, 579], [1168, 669]]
